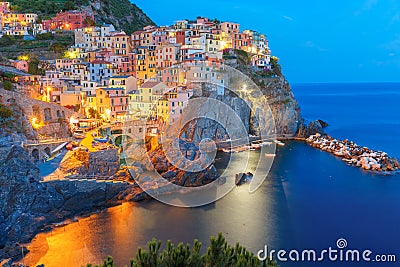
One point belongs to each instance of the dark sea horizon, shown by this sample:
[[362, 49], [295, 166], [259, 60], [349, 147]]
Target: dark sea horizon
[[309, 200]]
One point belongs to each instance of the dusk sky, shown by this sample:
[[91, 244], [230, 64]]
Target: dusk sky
[[316, 41]]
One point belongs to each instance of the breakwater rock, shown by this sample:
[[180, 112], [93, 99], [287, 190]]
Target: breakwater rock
[[354, 154]]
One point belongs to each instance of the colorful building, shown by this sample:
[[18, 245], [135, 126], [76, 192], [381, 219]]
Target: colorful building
[[112, 103], [68, 20], [143, 101]]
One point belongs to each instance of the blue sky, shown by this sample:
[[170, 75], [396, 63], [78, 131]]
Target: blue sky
[[316, 41]]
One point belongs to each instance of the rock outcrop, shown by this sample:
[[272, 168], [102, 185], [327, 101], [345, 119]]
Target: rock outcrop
[[175, 173], [123, 14], [312, 128]]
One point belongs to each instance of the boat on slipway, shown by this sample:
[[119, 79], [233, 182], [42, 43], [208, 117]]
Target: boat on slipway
[[57, 151]]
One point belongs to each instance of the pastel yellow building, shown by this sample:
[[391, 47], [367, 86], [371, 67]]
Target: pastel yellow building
[[143, 101], [146, 62]]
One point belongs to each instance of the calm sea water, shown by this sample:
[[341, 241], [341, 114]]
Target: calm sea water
[[309, 201]]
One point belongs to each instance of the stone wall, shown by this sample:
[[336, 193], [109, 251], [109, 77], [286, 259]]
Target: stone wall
[[99, 164], [43, 111], [104, 163]]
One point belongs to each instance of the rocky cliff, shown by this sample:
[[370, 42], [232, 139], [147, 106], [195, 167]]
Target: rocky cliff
[[281, 100], [27, 204], [123, 14]]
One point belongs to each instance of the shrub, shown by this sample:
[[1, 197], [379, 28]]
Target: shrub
[[219, 253], [7, 40], [8, 85], [5, 112], [45, 36]]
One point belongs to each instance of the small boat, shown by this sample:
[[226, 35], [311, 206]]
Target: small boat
[[101, 140], [79, 134], [255, 145], [270, 155], [56, 152], [279, 143], [265, 143]]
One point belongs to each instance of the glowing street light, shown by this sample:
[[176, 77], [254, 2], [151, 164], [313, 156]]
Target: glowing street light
[[35, 123], [108, 112]]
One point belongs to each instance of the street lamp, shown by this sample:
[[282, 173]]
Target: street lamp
[[108, 112]]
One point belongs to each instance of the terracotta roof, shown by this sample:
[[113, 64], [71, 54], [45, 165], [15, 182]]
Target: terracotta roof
[[149, 84]]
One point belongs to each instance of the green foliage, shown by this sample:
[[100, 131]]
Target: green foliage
[[45, 8], [8, 85], [69, 5], [122, 10], [5, 112], [45, 36], [33, 67], [89, 22], [219, 254], [243, 57], [275, 66], [58, 48], [7, 40]]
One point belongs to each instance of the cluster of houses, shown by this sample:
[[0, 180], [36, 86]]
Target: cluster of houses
[[26, 24], [138, 75]]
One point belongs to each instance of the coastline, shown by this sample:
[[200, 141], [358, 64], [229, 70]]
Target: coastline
[[133, 198]]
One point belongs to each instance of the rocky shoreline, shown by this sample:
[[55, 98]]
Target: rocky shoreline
[[29, 205], [355, 155]]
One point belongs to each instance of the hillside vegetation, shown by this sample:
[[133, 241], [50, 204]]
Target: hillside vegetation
[[45, 8], [123, 14]]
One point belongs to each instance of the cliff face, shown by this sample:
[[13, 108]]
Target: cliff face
[[267, 105], [121, 13], [284, 107]]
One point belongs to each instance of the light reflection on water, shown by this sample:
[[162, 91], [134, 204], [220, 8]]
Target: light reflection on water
[[119, 231]]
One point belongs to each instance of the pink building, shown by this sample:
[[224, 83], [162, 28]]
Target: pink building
[[240, 41], [167, 55], [172, 77], [178, 99], [4, 7], [21, 65], [69, 20]]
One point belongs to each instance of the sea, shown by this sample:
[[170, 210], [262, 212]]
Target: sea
[[310, 200]]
